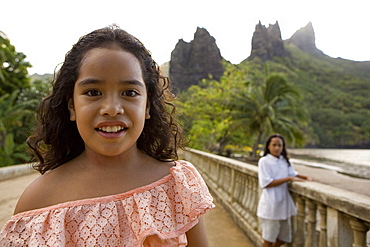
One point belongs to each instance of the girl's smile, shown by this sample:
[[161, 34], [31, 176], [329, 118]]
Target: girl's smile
[[109, 101], [111, 129]]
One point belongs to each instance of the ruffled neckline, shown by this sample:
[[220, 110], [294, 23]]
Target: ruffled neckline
[[159, 213], [103, 199]]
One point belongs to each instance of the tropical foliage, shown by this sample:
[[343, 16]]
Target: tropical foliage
[[13, 67], [270, 107], [336, 93], [19, 97], [315, 101], [11, 115], [240, 109], [206, 114]]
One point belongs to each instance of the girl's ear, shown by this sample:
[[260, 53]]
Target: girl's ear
[[147, 111], [72, 112]]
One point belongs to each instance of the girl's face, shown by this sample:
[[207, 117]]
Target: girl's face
[[109, 101], [276, 146]]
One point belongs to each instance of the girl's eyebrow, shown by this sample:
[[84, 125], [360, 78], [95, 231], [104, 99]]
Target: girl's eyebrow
[[88, 81]]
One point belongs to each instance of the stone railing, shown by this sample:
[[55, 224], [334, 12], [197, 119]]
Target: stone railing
[[327, 216], [9, 172]]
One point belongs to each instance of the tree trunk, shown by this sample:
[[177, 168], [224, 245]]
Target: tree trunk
[[256, 143]]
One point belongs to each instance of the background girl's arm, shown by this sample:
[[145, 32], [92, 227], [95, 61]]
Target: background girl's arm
[[304, 177], [280, 181], [197, 236]]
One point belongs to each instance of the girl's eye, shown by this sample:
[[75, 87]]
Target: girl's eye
[[92, 92], [130, 93]]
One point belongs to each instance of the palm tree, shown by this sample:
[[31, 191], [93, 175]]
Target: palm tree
[[271, 107]]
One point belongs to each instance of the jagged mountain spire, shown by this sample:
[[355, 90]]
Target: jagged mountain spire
[[267, 42], [304, 39], [191, 62]]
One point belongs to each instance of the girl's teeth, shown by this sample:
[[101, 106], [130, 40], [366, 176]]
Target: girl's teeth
[[111, 129]]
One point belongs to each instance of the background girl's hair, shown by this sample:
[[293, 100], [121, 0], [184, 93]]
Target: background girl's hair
[[56, 139], [284, 153]]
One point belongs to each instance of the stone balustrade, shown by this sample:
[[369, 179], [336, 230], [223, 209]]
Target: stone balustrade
[[9, 172], [327, 216]]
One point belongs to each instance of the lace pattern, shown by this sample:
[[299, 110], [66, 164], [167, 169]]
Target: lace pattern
[[158, 214]]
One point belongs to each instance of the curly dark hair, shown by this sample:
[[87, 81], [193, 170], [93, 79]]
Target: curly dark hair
[[56, 139], [284, 153]]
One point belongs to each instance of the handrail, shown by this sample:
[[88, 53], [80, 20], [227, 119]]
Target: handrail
[[8, 172]]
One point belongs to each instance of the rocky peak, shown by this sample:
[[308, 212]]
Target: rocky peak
[[194, 61], [304, 39], [267, 42]]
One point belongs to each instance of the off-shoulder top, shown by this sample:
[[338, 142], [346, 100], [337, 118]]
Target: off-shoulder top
[[158, 214]]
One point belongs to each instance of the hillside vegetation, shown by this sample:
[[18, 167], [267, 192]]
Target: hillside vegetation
[[336, 93]]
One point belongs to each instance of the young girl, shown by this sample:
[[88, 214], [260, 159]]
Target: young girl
[[106, 145], [276, 206]]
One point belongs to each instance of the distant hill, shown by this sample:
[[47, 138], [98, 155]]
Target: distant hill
[[44, 77]]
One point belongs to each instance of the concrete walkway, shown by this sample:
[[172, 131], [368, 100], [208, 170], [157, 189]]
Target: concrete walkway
[[10, 191], [221, 230]]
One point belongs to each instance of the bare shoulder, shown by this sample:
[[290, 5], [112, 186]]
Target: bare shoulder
[[160, 168], [38, 193]]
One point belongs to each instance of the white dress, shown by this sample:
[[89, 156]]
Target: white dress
[[276, 202]]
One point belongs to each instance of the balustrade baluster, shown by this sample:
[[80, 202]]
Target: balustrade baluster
[[236, 192], [359, 232], [244, 193], [299, 237], [227, 181], [311, 240], [241, 192], [216, 177], [232, 186], [246, 200], [249, 202], [254, 201], [323, 233]]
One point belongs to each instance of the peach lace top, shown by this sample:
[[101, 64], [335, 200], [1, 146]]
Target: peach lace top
[[158, 214]]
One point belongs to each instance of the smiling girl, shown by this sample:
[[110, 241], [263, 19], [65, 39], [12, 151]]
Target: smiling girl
[[106, 145]]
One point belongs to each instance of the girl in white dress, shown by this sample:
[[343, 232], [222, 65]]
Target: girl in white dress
[[276, 205]]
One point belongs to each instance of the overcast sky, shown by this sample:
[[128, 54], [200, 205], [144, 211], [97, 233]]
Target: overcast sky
[[45, 30]]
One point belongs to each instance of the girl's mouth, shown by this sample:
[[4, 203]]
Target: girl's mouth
[[112, 129]]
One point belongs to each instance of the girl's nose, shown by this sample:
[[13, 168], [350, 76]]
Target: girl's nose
[[111, 107]]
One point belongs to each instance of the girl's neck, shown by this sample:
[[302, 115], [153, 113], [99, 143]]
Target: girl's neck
[[126, 160], [275, 155]]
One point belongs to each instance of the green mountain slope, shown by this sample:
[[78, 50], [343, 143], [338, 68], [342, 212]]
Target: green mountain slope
[[336, 93]]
